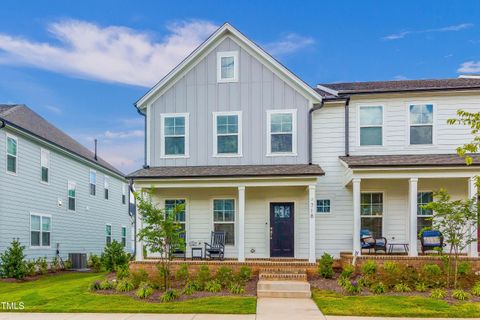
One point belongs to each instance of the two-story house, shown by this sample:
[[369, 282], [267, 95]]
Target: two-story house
[[54, 192], [287, 170]]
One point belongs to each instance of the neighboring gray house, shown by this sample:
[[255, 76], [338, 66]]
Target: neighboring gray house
[[55, 192]]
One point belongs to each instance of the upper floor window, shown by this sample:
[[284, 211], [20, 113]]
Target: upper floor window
[[227, 128], [45, 164], [282, 131], [174, 135], [12, 143], [72, 190], [227, 66], [40, 227], [421, 124], [124, 193], [93, 182], [371, 125], [106, 185]]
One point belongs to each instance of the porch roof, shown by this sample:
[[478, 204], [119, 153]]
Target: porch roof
[[411, 160], [227, 171]]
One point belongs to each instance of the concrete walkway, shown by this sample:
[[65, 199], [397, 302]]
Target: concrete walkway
[[287, 309]]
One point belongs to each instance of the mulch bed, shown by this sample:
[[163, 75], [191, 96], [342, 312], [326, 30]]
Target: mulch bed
[[33, 278]]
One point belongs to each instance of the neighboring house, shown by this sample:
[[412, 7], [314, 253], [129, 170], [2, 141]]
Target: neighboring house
[[287, 170], [55, 192]]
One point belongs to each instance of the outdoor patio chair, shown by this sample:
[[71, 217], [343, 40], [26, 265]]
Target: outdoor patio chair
[[431, 239], [216, 247], [368, 241], [181, 250]]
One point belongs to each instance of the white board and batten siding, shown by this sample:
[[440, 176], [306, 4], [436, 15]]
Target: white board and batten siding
[[81, 231]]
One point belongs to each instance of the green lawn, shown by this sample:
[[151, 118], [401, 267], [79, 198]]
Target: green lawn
[[391, 306], [69, 293]]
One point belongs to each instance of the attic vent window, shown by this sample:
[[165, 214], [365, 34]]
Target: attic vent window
[[227, 66]]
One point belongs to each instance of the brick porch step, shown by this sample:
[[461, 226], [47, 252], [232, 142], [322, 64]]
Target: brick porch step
[[283, 289], [283, 274]]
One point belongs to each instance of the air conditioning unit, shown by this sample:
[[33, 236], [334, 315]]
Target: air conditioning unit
[[79, 260]]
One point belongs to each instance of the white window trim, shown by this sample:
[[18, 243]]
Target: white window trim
[[69, 182], [11, 136], [42, 150], [90, 182], [239, 134], [434, 125], [384, 207], [221, 55], [41, 215], [121, 235], [162, 135], [235, 225], [324, 213], [111, 233], [359, 126], [293, 112]]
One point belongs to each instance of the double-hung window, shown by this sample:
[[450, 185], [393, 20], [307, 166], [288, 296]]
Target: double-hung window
[[227, 127], [227, 66], [371, 212], [323, 206], [93, 182], [45, 164], [281, 137], [424, 216], [108, 234], [72, 195], [12, 143], [124, 236], [106, 185], [421, 124], [174, 135], [124, 193], [40, 228], [177, 207], [371, 125], [224, 218]]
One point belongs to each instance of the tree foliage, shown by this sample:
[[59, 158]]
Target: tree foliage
[[12, 261], [472, 120]]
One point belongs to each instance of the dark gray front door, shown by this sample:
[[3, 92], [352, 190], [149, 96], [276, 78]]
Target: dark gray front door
[[281, 229]]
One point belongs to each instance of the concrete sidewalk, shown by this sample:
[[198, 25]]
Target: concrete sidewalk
[[287, 309]]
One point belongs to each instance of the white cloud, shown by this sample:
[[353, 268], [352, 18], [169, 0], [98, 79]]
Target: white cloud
[[54, 109], [123, 134], [291, 43], [400, 77], [112, 54], [469, 67], [452, 28]]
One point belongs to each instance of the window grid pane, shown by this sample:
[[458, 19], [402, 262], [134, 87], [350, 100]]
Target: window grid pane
[[323, 206], [174, 135], [424, 198], [11, 146], [227, 67], [224, 210], [170, 206]]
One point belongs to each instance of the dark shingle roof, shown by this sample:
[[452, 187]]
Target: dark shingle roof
[[25, 119], [228, 171], [401, 86], [417, 160]]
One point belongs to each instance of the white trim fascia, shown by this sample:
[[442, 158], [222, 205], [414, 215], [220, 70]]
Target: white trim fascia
[[11, 136], [327, 89], [293, 112], [239, 134], [434, 125], [148, 130], [41, 215], [186, 115], [372, 146], [206, 47], [222, 54]]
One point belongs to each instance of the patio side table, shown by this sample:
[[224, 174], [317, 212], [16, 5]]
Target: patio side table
[[391, 246], [197, 253]]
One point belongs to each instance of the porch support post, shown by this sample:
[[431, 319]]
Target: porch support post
[[241, 223], [138, 244], [356, 217], [473, 192], [311, 223], [413, 188]]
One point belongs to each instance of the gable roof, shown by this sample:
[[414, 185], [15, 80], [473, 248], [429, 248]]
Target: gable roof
[[348, 88], [228, 30], [23, 118]]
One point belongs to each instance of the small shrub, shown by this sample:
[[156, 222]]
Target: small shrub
[[476, 289], [138, 277], [67, 265], [236, 288], [342, 281], [55, 264], [464, 268], [401, 287], [352, 287], [378, 288], [144, 291], [30, 265], [114, 256], [347, 271], [125, 285], [213, 286], [95, 263], [106, 285], [182, 273], [369, 268], [460, 295], [391, 267], [203, 276], [224, 276], [363, 282], [12, 261], [42, 265], [95, 285], [169, 295], [325, 268], [438, 293], [190, 288], [244, 274], [420, 287], [122, 272], [432, 270]]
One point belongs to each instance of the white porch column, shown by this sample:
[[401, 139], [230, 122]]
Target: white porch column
[[241, 223], [473, 192], [139, 244], [311, 223], [356, 217], [413, 187]]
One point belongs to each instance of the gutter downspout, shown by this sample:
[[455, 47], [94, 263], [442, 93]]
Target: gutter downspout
[[347, 127], [145, 136], [315, 107], [130, 190]]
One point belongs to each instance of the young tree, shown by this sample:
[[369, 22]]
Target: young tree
[[161, 233], [454, 219], [12, 261]]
